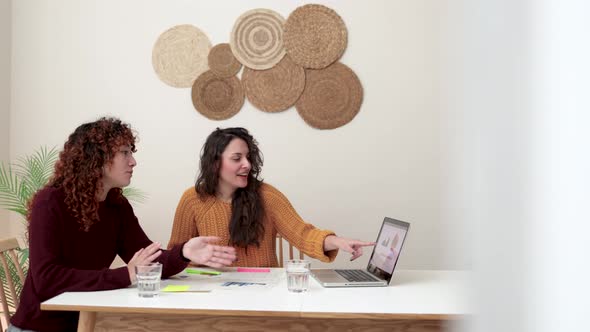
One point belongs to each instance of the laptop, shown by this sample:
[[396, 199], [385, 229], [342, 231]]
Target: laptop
[[381, 264]]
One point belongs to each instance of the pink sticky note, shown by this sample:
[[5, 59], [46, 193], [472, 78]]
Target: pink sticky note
[[249, 269]]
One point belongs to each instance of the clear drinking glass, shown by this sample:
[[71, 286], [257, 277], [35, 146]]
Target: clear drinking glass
[[148, 279], [298, 275]]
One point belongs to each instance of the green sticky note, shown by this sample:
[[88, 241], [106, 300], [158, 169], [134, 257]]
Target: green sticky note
[[176, 288]]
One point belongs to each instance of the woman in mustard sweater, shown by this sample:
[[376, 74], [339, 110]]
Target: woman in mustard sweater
[[231, 202]]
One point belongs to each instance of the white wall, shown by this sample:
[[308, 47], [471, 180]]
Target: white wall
[[5, 27], [76, 61]]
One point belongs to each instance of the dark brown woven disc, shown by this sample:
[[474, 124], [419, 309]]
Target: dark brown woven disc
[[315, 36], [257, 39], [222, 62], [180, 55], [275, 89], [217, 98], [332, 96]]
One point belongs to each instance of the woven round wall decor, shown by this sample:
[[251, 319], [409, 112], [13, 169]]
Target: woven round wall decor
[[222, 62], [315, 36], [257, 39], [332, 97], [275, 89], [180, 54], [217, 98]]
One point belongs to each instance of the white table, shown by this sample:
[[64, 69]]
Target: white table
[[420, 300]]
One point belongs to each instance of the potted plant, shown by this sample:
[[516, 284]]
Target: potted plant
[[19, 181]]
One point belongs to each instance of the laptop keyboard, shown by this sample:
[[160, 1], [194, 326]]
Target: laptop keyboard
[[356, 275]]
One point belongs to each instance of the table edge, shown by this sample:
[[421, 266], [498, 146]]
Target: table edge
[[256, 313], [175, 311]]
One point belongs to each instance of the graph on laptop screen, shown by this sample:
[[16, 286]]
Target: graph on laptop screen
[[387, 249]]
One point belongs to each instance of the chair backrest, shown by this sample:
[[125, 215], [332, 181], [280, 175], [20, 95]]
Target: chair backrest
[[280, 249], [10, 269]]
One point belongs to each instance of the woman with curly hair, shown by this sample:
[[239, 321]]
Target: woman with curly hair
[[230, 201], [80, 221]]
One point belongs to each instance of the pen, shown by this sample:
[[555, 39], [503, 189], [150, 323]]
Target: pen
[[250, 269], [195, 271], [240, 284]]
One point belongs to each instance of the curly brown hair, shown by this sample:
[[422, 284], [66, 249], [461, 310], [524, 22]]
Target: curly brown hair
[[80, 166]]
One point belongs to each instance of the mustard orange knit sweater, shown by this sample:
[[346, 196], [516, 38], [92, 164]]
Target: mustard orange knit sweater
[[210, 217]]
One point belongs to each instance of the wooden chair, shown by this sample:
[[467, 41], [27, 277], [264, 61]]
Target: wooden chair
[[280, 249], [8, 258]]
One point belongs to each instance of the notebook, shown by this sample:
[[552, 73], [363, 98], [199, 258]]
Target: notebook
[[381, 264]]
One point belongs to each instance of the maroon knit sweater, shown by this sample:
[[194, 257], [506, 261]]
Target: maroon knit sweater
[[63, 258]]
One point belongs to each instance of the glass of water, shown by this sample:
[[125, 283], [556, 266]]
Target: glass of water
[[297, 275], [148, 279]]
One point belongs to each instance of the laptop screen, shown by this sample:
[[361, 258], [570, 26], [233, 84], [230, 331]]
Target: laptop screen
[[387, 248]]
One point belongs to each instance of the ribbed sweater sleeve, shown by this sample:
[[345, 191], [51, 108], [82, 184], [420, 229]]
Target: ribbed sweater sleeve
[[184, 227], [292, 227]]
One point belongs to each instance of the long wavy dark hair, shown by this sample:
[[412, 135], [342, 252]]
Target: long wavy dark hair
[[246, 224], [80, 166]]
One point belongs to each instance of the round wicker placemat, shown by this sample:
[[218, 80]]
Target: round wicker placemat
[[332, 97], [257, 38], [315, 36], [275, 89], [217, 98], [180, 54], [222, 62]]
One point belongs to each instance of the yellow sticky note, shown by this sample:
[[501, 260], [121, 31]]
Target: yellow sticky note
[[176, 288]]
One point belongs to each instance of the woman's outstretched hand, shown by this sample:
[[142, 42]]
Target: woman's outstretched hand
[[202, 250], [355, 247]]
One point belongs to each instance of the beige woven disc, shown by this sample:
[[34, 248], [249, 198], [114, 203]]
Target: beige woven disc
[[332, 97], [222, 62], [275, 89], [315, 36], [180, 55], [257, 39], [217, 98]]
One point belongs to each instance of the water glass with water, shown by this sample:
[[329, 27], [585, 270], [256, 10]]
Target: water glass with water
[[148, 279], [298, 275]]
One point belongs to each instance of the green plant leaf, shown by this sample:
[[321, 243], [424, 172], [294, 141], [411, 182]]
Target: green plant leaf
[[13, 192], [35, 170], [21, 180], [23, 258], [134, 195]]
